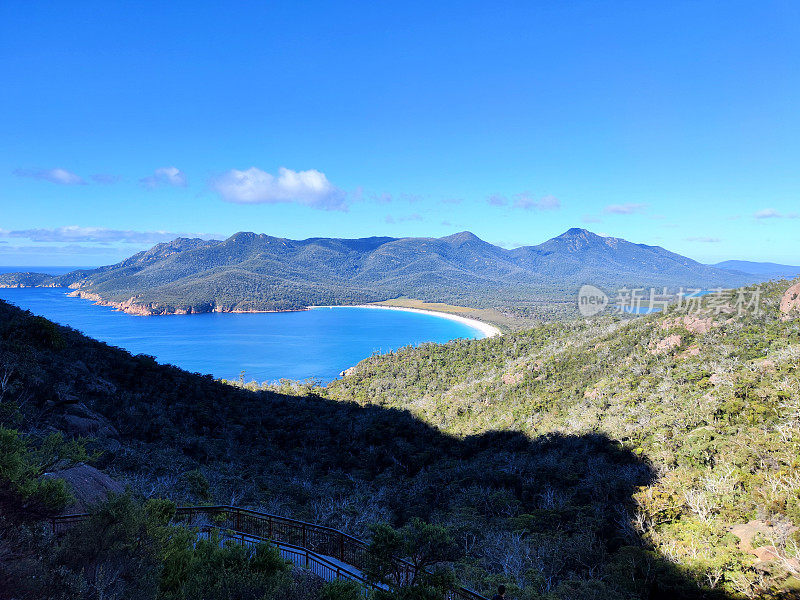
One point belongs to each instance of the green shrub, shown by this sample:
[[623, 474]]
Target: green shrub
[[341, 590], [22, 466]]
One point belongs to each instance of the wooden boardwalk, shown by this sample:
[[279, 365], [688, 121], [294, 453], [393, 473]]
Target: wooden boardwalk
[[328, 553]]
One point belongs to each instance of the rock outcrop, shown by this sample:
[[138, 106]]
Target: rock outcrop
[[790, 303], [87, 484], [666, 345], [129, 306], [691, 324], [78, 420], [746, 532]]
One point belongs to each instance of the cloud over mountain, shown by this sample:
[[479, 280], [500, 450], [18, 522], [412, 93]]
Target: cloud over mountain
[[162, 176], [703, 239], [624, 209], [254, 186], [526, 201], [75, 233], [392, 220]]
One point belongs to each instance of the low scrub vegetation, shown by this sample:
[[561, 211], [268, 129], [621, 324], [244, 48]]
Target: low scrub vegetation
[[571, 460]]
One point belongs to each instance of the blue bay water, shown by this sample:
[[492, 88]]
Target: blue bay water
[[318, 343]]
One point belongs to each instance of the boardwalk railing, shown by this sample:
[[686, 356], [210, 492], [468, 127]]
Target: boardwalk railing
[[330, 553], [321, 566]]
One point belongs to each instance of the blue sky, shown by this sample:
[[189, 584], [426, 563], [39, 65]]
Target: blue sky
[[671, 123]]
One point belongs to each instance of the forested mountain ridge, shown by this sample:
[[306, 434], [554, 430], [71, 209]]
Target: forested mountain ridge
[[637, 459], [764, 269], [250, 272]]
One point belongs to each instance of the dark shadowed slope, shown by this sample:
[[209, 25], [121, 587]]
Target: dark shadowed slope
[[710, 394], [549, 516]]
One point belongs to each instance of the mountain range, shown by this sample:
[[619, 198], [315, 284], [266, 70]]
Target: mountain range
[[766, 270], [258, 272]]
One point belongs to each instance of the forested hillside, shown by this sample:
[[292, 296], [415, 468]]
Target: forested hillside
[[258, 272], [652, 458], [165, 433], [710, 399]]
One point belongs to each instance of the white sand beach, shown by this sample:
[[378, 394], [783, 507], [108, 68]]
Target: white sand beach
[[486, 329]]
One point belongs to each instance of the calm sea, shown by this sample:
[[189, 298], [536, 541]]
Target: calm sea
[[316, 344]]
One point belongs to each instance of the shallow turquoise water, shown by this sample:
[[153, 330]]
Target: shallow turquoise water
[[317, 344]]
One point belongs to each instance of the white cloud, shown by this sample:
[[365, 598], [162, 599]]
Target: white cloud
[[706, 240], [624, 209], [74, 233], [591, 219], [57, 175], [254, 186], [771, 213], [391, 220], [165, 176], [497, 200], [526, 201], [548, 203], [70, 249]]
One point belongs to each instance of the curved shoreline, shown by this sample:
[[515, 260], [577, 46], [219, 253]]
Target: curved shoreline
[[484, 328], [131, 308]]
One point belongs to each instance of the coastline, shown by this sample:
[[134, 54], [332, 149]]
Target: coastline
[[132, 308], [485, 328]]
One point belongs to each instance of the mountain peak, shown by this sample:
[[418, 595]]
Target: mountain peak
[[578, 232], [577, 239], [243, 235], [462, 237]]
